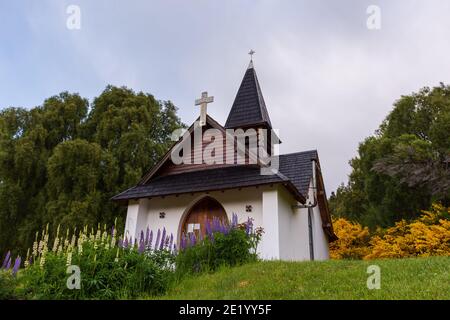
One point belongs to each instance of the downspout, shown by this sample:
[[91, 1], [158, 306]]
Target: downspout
[[310, 207]]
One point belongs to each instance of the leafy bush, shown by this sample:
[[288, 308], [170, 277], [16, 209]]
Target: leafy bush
[[225, 243]]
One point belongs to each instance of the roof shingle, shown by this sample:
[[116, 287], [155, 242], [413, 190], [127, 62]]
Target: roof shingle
[[248, 107]]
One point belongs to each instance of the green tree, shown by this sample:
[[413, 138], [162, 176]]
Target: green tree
[[404, 166], [62, 161]]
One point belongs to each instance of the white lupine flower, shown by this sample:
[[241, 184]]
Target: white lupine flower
[[55, 244], [74, 238], [69, 258]]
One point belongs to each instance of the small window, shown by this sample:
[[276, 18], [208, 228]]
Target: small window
[[192, 227], [248, 208], [162, 215]]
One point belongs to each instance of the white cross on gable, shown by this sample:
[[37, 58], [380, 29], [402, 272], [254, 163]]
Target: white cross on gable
[[203, 103]]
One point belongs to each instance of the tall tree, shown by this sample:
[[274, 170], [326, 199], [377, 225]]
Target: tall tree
[[62, 161], [404, 166]]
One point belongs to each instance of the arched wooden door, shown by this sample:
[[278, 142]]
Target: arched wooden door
[[205, 209]]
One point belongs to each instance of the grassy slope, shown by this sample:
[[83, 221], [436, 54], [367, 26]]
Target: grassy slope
[[421, 278]]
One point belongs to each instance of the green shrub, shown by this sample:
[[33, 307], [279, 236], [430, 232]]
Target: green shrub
[[225, 244], [7, 285]]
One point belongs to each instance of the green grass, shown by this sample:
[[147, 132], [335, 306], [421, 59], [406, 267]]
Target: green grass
[[420, 278]]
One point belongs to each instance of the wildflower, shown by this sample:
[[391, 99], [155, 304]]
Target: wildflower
[[163, 238], [208, 228], [125, 244], [158, 236], [120, 243], [117, 256], [16, 265], [150, 239], [192, 239], [147, 234], [234, 220], [141, 246], [8, 264], [35, 245], [27, 260], [8, 254], [249, 226], [69, 258], [183, 242], [174, 248], [171, 241]]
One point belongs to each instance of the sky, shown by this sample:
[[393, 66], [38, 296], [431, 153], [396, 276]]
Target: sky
[[327, 78]]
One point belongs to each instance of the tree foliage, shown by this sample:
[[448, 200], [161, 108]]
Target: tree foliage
[[404, 167], [61, 162]]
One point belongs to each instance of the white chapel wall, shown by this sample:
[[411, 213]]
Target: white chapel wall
[[147, 213]]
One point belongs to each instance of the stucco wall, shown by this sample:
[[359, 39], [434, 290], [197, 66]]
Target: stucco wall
[[286, 233], [233, 201]]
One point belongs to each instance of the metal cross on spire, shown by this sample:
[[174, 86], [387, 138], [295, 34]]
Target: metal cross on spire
[[203, 103], [251, 53]]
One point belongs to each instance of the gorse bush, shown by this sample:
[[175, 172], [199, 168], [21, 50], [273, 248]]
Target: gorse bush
[[225, 243], [428, 235]]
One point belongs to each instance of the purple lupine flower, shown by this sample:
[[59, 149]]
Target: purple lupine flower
[[150, 240], [163, 239], [141, 237], [249, 226], [8, 264], [125, 243], [182, 242], [192, 239], [147, 233], [158, 237], [174, 248], [8, 254], [171, 242], [215, 224], [141, 247], [120, 243], [112, 231], [16, 265], [208, 228], [234, 220], [212, 237]]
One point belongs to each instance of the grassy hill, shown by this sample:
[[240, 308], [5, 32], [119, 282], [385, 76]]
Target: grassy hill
[[420, 278]]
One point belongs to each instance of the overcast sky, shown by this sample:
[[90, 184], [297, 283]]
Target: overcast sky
[[328, 80]]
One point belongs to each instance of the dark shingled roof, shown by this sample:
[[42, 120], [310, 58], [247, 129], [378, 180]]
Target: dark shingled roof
[[295, 170], [248, 107]]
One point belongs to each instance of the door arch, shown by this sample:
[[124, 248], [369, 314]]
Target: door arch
[[204, 209]]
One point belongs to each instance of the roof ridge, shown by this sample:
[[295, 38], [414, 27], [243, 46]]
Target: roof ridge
[[299, 152]]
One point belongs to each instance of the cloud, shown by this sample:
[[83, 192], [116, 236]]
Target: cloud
[[327, 80]]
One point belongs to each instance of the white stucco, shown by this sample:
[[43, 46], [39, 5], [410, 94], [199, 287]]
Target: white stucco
[[285, 229]]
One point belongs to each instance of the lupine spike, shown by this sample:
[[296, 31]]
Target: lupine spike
[[171, 241], [150, 240], [158, 236], [5, 261], [163, 239]]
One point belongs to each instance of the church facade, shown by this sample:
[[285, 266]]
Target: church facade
[[217, 171]]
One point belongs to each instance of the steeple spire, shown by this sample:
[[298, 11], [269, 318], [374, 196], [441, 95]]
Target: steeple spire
[[249, 108]]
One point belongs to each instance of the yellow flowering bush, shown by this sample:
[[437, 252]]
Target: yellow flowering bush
[[429, 235], [353, 240]]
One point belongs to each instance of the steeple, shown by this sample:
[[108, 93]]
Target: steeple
[[249, 108]]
